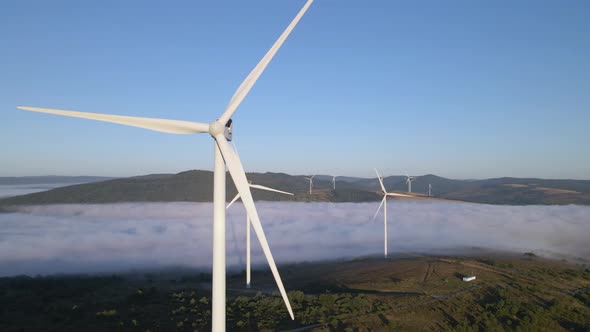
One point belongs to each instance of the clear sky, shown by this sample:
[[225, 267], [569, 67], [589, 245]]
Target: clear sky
[[462, 89]]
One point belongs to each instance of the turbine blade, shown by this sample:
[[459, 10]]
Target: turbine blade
[[163, 125], [376, 171], [400, 195], [380, 181], [234, 165], [257, 186], [248, 83], [379, 208], [233, 201]]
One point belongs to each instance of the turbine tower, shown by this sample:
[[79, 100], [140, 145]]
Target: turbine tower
[[334, 182], [224, 156], [256, 186], [384, 204], [429, 189], [310, 183], [409, 180]]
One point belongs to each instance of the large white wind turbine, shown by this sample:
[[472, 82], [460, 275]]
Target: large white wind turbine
[[221, 132], [310, 183], [384, 204], [409, 180], [256, 186]]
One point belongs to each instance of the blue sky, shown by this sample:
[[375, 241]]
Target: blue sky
[[462, 89]]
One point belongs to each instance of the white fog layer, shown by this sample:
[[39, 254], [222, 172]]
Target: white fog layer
[[119, 237]]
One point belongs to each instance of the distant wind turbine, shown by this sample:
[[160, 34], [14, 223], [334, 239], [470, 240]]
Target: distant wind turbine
[[384, 204], [310, 183], [256, 186], [429, 189], [224, 156], [409, 180], [334, 181]]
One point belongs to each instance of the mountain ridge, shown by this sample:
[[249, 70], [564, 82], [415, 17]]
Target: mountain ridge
[[196, 186]]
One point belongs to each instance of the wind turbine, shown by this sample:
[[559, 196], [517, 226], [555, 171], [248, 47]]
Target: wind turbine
[[224, 156], [334, 181], [256, 186], [429, 189], [310, 183], [409, 180], [384, 204]]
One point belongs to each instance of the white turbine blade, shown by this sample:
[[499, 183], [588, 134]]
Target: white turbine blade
[[234, 165], [400, 195], [257, 186], [163, 125], [380, 181], [376, 171], [233, 201], [379, 208], [248, 83]]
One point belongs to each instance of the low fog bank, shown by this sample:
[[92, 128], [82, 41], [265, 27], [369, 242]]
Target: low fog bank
[[10, 190], [121, 237]]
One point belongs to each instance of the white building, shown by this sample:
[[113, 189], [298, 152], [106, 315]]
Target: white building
[[468, 278]]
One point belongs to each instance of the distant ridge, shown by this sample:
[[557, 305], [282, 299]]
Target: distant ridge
[[50, 179], [195, 186]]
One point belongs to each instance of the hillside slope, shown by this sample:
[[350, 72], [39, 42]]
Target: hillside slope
[[196, 186], [193, 186]]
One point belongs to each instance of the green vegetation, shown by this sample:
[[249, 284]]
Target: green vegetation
[[511, 293]]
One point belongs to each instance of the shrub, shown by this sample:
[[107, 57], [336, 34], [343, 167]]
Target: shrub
[[107, 313]]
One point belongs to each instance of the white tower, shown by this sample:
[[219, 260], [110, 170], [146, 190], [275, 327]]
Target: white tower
[[310, 183], [384, 204], [409, 180], [255, 186]]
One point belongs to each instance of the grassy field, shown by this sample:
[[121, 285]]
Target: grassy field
[[405, 293]]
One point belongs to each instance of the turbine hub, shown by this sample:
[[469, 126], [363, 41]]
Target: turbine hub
[[216, 128]]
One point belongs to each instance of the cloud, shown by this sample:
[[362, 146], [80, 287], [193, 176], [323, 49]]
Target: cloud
[[110, 237]]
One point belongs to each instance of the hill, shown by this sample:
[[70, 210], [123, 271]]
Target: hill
[[505, 191], [518, 191], [195, 186]]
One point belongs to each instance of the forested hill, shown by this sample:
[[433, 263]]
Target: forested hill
[[196, 186]]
